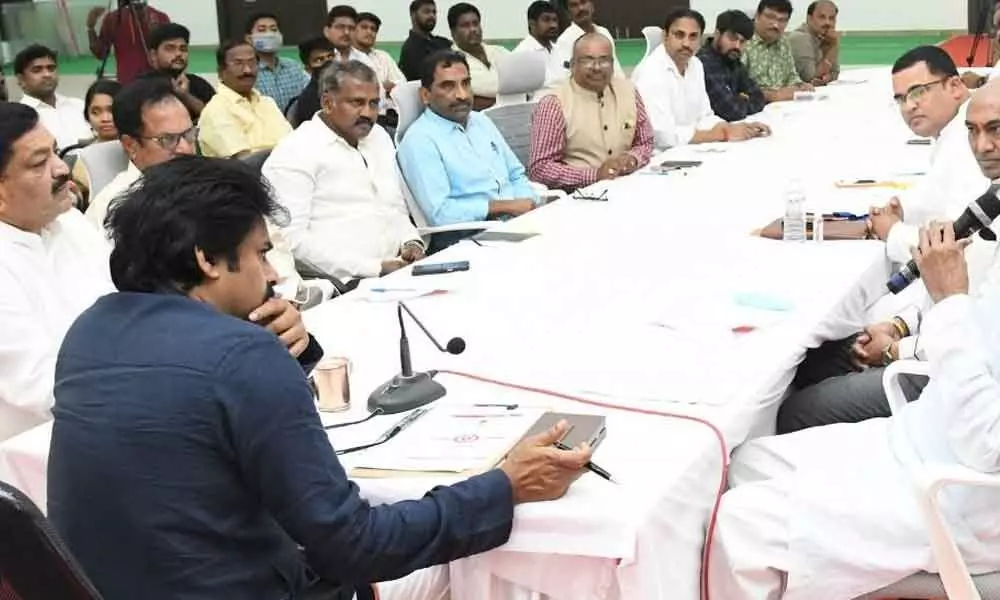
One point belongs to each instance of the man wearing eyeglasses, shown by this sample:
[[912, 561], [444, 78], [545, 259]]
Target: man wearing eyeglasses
[[592, 127], [239, 120], [932, 101]]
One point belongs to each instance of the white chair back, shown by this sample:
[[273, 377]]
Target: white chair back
[[417, 213], [514, 123], [519, 75], [654, 37], [103, 162], [408, 104]]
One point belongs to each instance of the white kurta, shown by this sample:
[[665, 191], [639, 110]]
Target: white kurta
[[834, 506], [677, 104], [46, 281], [564, 46], [346, 205], [954, 181]]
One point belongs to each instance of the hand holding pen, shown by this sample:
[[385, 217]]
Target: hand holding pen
[[539, 471]]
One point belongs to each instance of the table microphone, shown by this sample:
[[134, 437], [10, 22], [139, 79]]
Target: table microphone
[[976, 218], [409, 390]]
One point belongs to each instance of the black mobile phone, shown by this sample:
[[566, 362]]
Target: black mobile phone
[[439, 268]]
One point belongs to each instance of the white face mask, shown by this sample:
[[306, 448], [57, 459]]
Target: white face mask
[[269, 42]]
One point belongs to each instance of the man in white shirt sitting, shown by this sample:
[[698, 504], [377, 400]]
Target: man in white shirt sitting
[[336, 175], [671, 81], [543, 31], [833, 512], [37, 73], [933, 102], [581, 12], [467, 31], [53, 266], [365, 37]]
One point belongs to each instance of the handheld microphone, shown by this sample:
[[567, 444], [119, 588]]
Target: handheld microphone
[[409, 390], [976, 218]]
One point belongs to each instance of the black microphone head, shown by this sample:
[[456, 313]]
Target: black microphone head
[[455, 345], [979, 215]]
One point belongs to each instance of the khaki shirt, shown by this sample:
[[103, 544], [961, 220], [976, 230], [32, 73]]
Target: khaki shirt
[[808, 51]]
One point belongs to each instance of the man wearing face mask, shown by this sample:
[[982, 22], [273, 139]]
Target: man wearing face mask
[[466, 29], [732, 92], [239, 120], [593, 126], [282, 79], [53, 265], [168, 57], [336, 176]]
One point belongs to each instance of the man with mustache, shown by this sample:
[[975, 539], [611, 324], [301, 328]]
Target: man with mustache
[[53, 265], [168, 56], [455, 160], [581, 13], [37, 71], [816, 44], [672, 82], [465, 23], [592, 127], [543, 31], [336, 176], [239, 120], [732, 93], [768, 55], [834, 512], [421, 42], [832, 387]]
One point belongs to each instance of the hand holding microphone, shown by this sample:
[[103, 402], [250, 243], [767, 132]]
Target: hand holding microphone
[[940, 257]]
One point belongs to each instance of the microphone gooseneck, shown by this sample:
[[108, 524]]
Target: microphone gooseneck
[[976, 218], [405, 363]]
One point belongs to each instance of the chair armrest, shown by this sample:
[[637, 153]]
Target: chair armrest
[[890, 380], [930, 480], [470, 226]]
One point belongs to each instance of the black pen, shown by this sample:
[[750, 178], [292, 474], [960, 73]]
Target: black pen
[[590, 466]]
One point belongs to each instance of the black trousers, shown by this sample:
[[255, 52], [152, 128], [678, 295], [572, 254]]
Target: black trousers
[[829, 390]]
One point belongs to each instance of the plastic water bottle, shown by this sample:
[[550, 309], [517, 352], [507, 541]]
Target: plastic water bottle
[[794, 225]]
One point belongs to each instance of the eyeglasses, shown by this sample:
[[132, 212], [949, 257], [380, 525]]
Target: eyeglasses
[[170, 141], [578, 195], [917, 92], [589, 62]]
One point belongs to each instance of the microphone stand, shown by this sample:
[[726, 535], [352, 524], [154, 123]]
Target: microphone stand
[[407, 390], [982, 26]]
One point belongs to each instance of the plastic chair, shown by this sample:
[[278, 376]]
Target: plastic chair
[[34, 562], [953, 579], [103, 162], [514, 122], [519, 75], [423, 224], [654, 37], [408, 104], [257, 159]]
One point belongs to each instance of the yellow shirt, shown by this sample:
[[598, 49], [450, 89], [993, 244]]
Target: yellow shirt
[[231, 124]]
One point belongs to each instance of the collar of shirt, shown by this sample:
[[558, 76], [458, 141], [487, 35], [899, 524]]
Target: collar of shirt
[[233, 97], [444, 125], [37, 104], [804, 28], [280, 64], [532, 43], [20, 237]]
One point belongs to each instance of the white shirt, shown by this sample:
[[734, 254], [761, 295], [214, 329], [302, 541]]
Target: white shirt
[[953, 182], [484, 78], [46, 281], [65, 121], [555, 70], [677, 104], [564, 46], [360, 56], [280, 255], [387, 70], [346, 206]]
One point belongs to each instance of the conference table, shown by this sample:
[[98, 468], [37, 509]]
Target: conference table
[[655, 307]]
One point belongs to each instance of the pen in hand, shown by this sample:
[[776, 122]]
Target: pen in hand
[[590, 466]]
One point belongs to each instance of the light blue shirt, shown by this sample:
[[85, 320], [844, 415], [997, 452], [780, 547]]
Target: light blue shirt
[[454, 172], [283, 83]]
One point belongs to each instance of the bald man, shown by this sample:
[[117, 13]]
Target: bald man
[[831, 512], [816, 44], [591, 127]]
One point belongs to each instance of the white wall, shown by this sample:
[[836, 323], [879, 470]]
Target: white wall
[[865, 15], [506, 18]]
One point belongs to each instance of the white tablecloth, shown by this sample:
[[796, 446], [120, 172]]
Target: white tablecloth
[[632, 302]]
